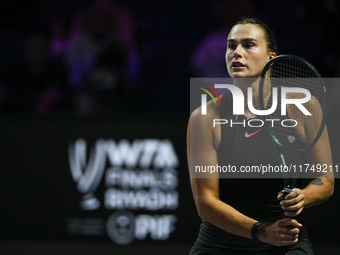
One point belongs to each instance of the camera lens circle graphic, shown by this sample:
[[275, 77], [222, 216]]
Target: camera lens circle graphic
[[120, 227]]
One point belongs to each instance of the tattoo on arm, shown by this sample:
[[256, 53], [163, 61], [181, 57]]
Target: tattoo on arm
[[317, 182]]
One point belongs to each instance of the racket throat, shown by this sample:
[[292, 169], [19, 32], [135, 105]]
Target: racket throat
[[288, 187]]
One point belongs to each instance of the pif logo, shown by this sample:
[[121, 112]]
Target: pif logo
[[238, 99]]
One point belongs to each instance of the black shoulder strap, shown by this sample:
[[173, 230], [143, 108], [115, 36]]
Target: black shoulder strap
[[227, 106]]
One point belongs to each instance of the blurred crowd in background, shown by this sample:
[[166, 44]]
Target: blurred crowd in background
[[100, 57]]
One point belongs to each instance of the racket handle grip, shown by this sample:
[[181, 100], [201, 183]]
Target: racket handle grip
[[288, 190]]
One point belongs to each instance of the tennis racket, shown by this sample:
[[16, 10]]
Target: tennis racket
[[294, 131]]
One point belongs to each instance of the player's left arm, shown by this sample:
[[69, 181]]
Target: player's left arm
[[322, 186]]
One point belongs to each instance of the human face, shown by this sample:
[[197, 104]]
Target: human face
[[247, 52]]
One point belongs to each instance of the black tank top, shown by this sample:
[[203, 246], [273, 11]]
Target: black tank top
[[256, 198]]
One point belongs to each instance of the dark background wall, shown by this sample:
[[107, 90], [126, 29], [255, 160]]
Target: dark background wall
[[39, 197]]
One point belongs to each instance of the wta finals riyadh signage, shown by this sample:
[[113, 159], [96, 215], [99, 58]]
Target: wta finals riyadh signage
[[140, 175]]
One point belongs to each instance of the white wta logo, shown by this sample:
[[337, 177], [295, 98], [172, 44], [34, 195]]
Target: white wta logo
[[87, 174]]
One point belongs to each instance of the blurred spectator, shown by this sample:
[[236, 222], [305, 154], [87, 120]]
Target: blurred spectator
[[208, 59], [59, 44], [102, 27], [38, 84], [106, 83]]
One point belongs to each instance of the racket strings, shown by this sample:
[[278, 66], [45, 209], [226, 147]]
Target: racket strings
[[290, 68], [294, 130]]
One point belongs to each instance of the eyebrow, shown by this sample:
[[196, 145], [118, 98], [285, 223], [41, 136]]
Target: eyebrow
[[243, 40]]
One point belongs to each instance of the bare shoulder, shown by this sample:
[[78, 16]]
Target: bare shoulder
[[313, 102], [205, 120], [202, 125], [313, 105]]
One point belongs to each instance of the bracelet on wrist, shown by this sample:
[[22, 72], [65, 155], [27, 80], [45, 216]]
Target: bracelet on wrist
[[255, 230]]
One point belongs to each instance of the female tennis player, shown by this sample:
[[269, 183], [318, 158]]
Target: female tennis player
[[248, 216]]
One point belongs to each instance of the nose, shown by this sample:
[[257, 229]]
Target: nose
[[238, 51]]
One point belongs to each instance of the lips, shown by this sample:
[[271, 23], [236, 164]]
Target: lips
[[237, 64]]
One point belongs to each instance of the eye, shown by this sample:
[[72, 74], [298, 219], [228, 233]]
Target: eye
[[231, 46], [249, 45]]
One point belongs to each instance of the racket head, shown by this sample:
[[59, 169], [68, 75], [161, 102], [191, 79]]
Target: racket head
[[290, 71]]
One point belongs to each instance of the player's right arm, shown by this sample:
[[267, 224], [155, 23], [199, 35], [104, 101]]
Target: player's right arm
[[202, 143]]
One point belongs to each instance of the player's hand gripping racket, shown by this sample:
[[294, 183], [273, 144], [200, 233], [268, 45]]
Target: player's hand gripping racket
[[295, 131]]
